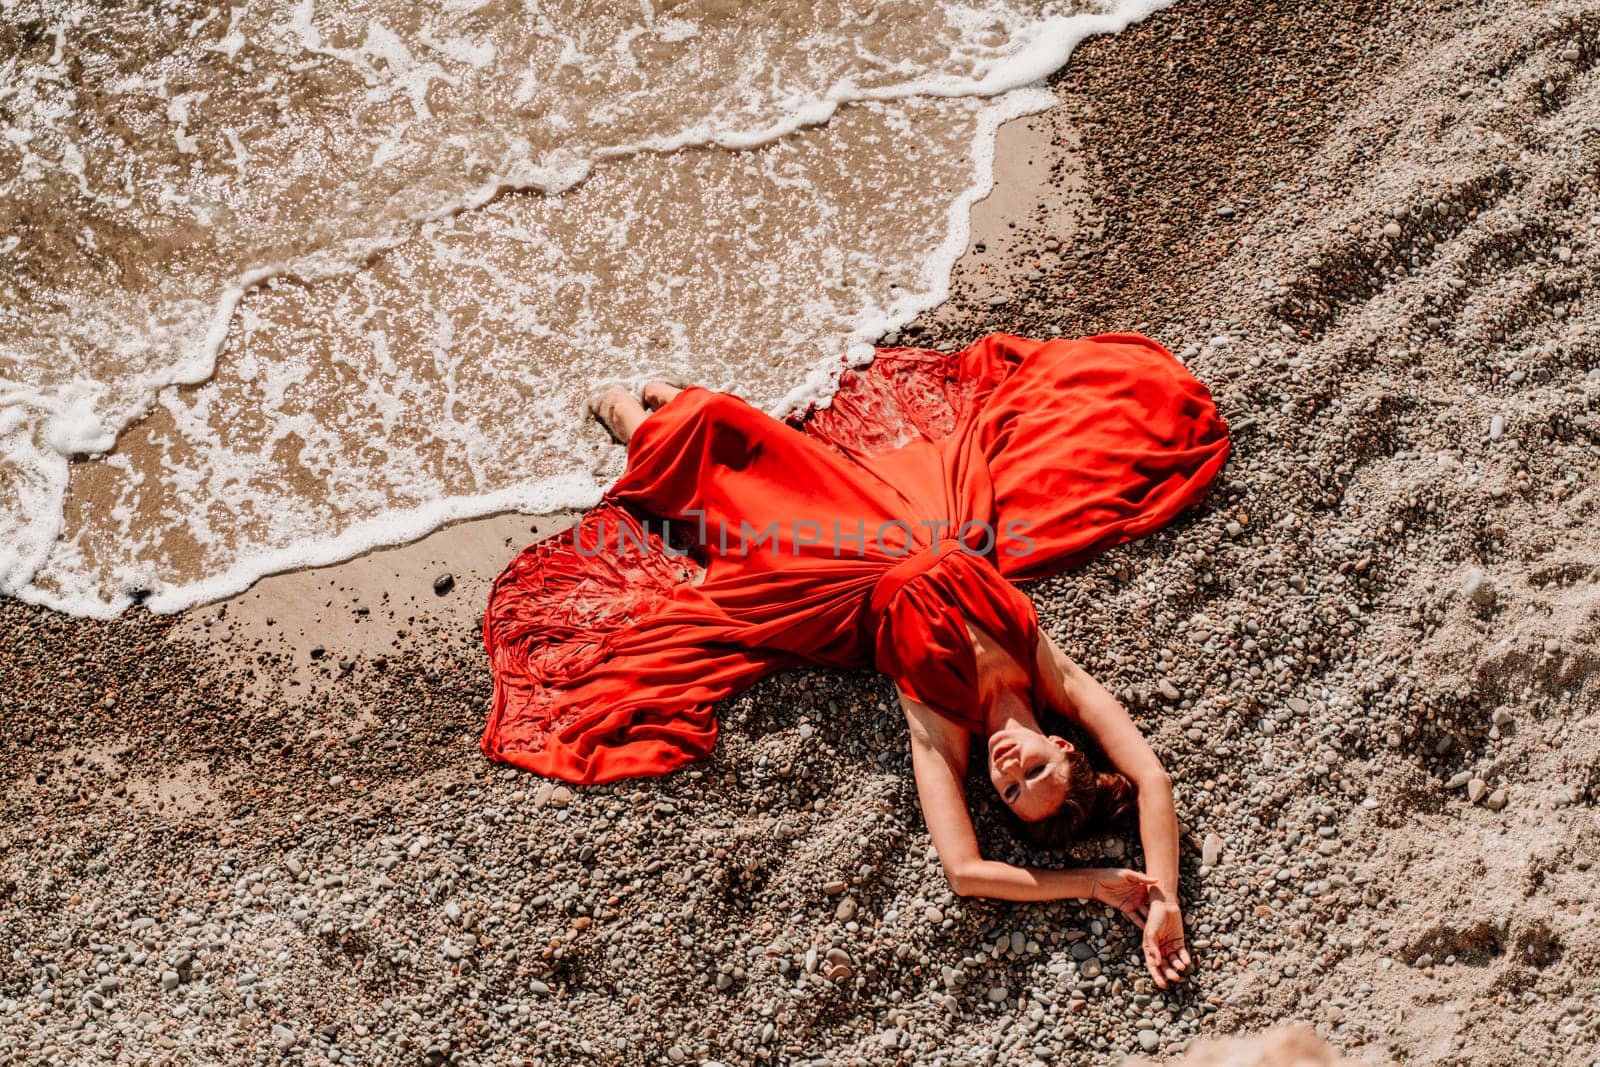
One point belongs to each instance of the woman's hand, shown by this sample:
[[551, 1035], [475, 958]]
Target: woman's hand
[[1126, 890], [1164, 951]]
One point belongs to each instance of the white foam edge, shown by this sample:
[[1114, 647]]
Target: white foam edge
[[822, 382], [1025, 99], [385, 531]]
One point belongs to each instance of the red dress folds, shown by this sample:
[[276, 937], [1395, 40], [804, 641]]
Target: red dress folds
[[864, 535]]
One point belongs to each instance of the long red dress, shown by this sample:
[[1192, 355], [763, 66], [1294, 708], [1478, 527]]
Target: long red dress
[[822, 543]]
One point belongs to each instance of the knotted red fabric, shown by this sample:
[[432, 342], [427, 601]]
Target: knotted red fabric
[[868, 533]]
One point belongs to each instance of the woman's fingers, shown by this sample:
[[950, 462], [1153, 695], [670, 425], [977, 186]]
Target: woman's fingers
[[1166, 962], [1152, 961], [1179, 958]]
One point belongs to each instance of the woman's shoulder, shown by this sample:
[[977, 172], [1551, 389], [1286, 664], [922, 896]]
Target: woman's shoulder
[[933, 727]]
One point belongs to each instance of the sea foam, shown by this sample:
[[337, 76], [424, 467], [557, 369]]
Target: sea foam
[[370, 302]]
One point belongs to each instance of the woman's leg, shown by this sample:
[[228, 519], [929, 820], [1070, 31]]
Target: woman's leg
[[620, 412]]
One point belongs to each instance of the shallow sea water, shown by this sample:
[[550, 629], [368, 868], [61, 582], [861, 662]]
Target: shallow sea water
[[281, 283]]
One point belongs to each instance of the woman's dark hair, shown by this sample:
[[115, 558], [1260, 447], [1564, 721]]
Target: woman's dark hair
[[1095, 802]]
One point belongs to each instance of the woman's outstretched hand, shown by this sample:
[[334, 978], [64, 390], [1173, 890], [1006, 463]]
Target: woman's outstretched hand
[[1126, 890], [1130, 892], [1164, 950]]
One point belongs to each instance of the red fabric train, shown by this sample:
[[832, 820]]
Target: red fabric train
[[859, 536]]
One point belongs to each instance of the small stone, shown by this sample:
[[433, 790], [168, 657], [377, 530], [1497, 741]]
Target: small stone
[[1458, 779], [835, 887], [444, 583], [1149, 1040], [1497, 800], [933, 914], [317, 652], [1571, 53], [1082, 950], [1476, 789], [1500, 717], [1552, 644], [998, 994], [538, 988], [1497, 426], [1091, 968], [846, 910], [560, 796], [1224, 211], [1423, 961], [1391, 230], [1478, 588], [1211, 850], [1169, 691], [169, 980]]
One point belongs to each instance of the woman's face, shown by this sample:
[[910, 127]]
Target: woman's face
[[1029, 771]]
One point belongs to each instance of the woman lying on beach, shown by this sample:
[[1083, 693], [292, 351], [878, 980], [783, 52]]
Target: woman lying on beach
[[883, 530]]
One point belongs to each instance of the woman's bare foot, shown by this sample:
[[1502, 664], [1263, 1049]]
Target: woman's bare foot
[[619, 411], [657, 393]]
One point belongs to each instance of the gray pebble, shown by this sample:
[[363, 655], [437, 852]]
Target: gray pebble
[[1478, 588]]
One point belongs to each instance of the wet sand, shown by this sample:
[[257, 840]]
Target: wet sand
[[1373, 230]]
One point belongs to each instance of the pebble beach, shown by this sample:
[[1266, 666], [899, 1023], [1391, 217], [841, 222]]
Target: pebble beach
[[261, 831]]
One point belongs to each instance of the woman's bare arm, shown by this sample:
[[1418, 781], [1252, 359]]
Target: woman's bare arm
[[1085, 701], [939, 751]]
